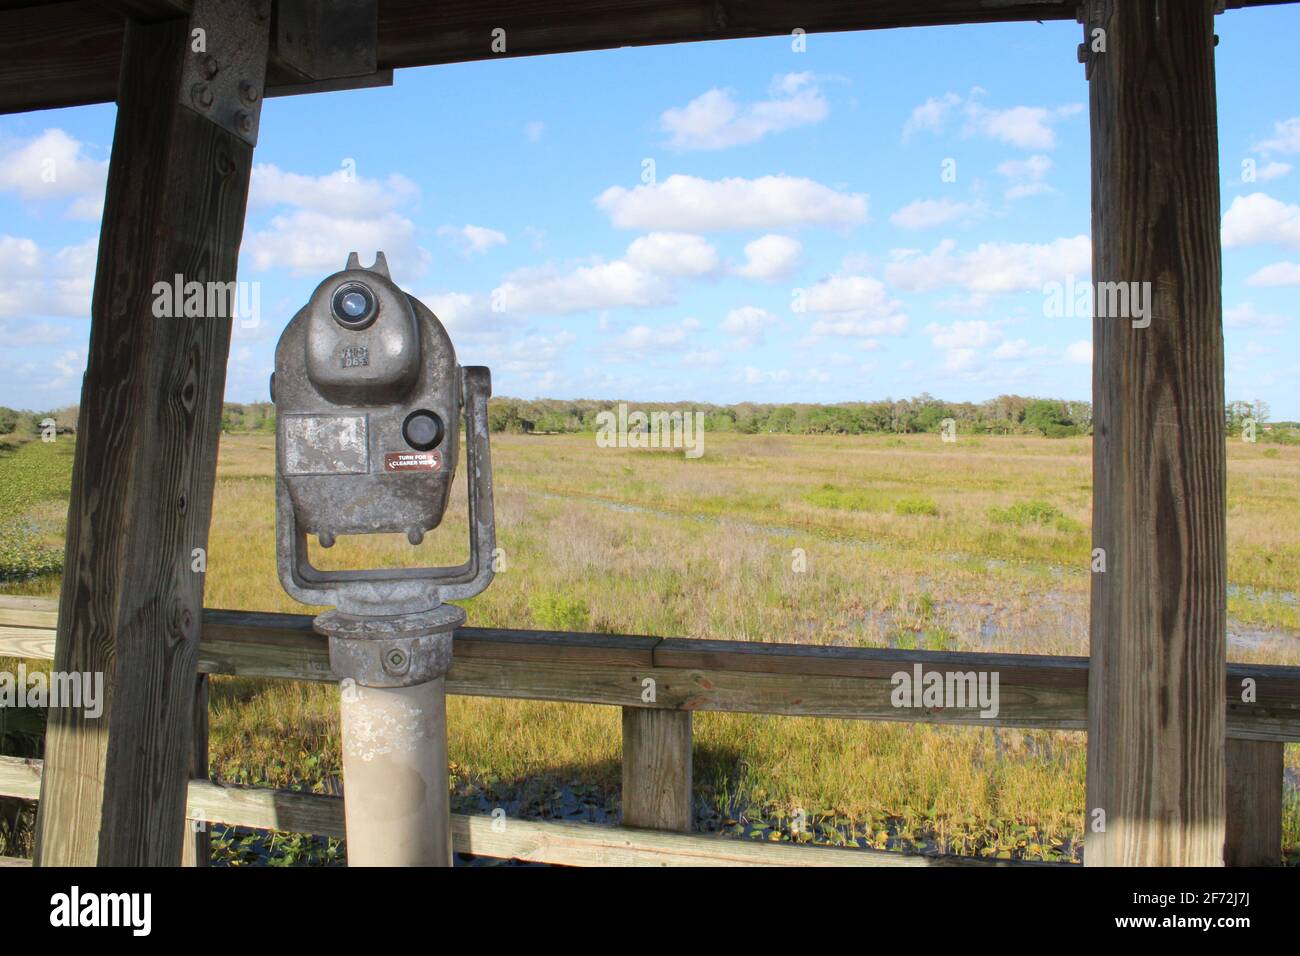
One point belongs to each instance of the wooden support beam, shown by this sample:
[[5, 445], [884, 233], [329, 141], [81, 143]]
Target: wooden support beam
[[66, 53], [1156, 719], [797, 680], [1254, 824], [131, 605], [562, 844], [197, 850], [657, 776]]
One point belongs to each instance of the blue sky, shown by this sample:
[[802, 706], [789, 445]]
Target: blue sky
[[710, 222]]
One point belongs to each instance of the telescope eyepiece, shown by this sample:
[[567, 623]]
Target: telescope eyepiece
[[354, 306]]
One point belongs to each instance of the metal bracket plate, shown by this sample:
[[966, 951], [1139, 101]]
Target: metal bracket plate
[[224, 76], [327, 39]]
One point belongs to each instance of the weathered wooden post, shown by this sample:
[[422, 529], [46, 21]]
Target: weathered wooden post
[[657, 784], [197, 850], [1156, 690], [113, 789], [1254, 803]]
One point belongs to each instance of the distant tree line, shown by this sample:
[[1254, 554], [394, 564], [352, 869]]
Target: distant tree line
[[15, 421], [1004, 415], [253, 417]]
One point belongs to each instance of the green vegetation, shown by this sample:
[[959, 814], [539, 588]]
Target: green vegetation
[[916, 506], [35, 481], [555, 612], [908, 541], [1025, 513]]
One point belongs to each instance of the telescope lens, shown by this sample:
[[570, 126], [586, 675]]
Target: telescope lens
[[354, 306], [422, 429]]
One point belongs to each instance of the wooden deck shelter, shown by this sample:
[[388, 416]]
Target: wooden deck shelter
[[113, 790]]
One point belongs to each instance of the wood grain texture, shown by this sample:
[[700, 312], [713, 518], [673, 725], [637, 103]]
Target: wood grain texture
[[1254, 793], [563, 844], [657, 769], [197, 848], [732, 676], [1158, 614], [66, 53], [145, 464]]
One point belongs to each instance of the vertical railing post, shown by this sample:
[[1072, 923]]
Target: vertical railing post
[[1156, 705], [197, 850], [657, 775], [1254, 824]]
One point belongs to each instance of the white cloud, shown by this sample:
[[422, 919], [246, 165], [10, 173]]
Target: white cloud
[[640, 279], [333, 215], [1261, 218], [34, 281], [1246, 316], [673, 254], [474, 239], [1279, 273], [928, 213], [642, 337], [1079, 353], [704, 358], [961, 360], [1286, 138], [1026, 176], [53, 165], [963, 335], [469, 315], [1273, 170], [932, 115], [341, 193], [533, 130], [1026, 127], [603, 285], [747, 325], [990, 267], [1018, 349], [853, 306], [525, 361], [22, 333], [690, 204], [307, 242], [713, 120], [758, 376], [770, 257]]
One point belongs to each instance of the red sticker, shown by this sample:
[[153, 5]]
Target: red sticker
[[412, 461]]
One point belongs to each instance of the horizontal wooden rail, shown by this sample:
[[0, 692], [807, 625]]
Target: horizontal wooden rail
[[68, 53], [1034, 690], [564, 844]]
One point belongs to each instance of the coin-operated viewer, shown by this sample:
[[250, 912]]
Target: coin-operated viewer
[[368, 400]]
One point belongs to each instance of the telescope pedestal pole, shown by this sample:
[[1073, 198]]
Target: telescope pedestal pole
[[394, 708], [395, 775]]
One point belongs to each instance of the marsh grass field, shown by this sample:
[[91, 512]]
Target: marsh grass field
[[861, 541]]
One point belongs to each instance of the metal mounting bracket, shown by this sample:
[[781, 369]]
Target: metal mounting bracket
[[1094, 15], [224, 75], [327, 39]]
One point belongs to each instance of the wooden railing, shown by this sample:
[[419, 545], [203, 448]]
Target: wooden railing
[[684, 676]]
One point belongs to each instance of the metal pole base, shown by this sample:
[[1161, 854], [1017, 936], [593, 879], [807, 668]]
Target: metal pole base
[[394, 703], [395, 775]]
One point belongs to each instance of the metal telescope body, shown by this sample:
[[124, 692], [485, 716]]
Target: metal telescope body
[[369, 400]]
